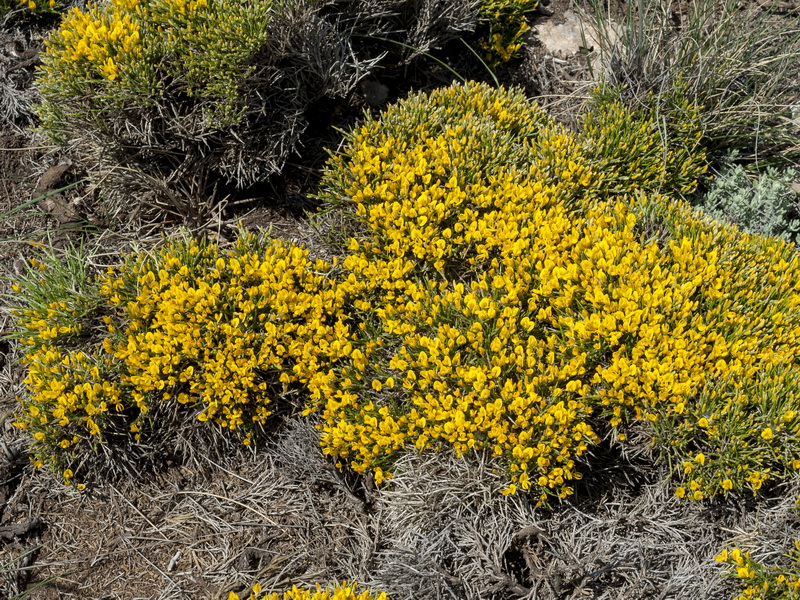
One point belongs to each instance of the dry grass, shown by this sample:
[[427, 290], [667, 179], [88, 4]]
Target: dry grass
[[449, 533], [200, 530], [439, 529], [738, 61]]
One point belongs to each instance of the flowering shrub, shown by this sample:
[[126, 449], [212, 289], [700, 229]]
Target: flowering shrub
[[186, 91], [505, 24], [125, 49], [510, 297], [508, 290], [219, 333], [762, 581], [735, 418], [344, 591]]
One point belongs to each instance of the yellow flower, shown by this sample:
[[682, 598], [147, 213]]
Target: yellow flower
[[767, 434]]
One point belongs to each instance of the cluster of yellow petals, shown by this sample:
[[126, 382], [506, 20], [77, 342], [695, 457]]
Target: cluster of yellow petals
[[219, 332], [506, 23], [94, 42], [510, 298], [762, 581], [42, 6], [342, 591], [69, 398]]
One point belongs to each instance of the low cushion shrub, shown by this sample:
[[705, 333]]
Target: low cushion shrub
[[168, 96], [656, 146], [520, 288], [509, 289], [190, 332]]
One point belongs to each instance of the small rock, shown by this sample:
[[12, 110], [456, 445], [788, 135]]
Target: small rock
[[53, 177], [374, 93]]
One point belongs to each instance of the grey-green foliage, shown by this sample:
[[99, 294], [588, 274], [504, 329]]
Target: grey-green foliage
[[767, 205]]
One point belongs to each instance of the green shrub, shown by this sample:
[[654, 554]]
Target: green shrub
[[767, 205], [167, 96], [654, 146], [511, 295], [738, 63]]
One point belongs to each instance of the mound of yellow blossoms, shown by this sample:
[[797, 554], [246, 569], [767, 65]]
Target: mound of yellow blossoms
[[515, 293], [219, 333], [344, 591], [515, 287]]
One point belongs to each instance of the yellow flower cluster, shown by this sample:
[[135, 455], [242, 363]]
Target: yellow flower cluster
[[763, 582], [71, 395], [42, 6], [344, 591], [71, 399], [93, 43], [201, 47], [219, 332], [533, 308], [222, 333], [737, 422], [506, 24], [458, 344]]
